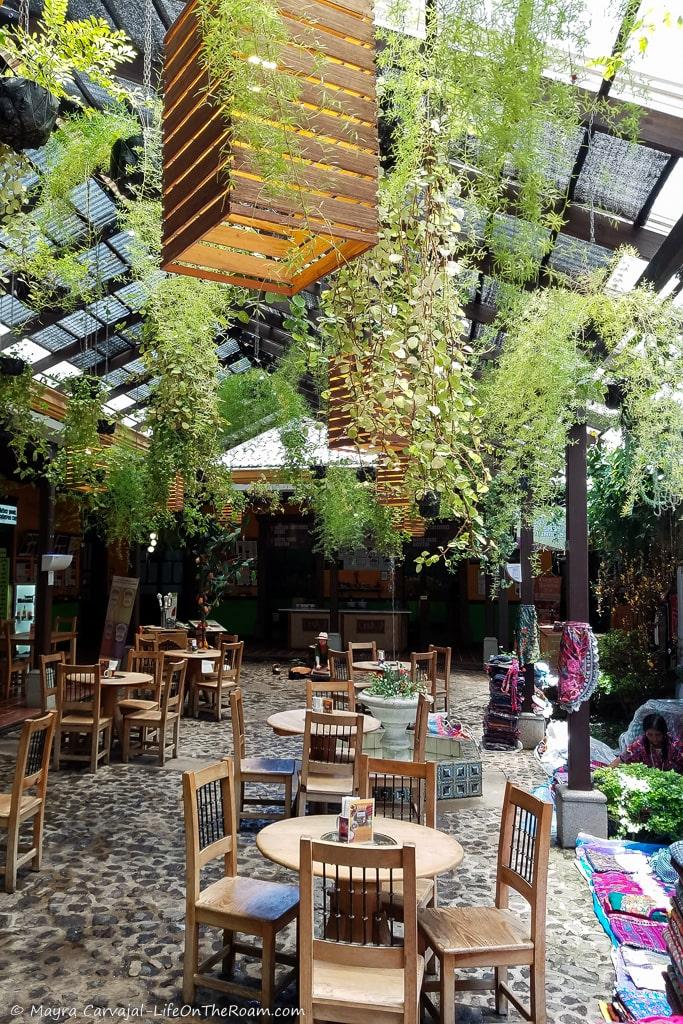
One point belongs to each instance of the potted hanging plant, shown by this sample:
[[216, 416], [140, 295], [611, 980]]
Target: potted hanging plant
[[40, 66], [80, 464], [393, 699], [429, 504], [12, 366]]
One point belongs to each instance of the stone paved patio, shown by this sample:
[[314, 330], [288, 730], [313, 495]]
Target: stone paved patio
[[102, 924]]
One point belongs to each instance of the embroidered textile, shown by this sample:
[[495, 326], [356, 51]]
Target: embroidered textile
[[578, 667], [638, 932]]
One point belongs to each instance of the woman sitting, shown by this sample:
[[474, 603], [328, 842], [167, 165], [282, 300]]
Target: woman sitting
[[655, 748]]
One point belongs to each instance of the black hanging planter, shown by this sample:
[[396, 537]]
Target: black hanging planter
[[11, 366], [366, 475], [27, 113], [126, 164], [429, 504], [319, 472], [106, 427]]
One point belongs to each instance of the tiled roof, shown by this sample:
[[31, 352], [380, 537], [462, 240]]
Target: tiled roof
[[266, 451]]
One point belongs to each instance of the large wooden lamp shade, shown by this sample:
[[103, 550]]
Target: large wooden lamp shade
[[340, 417], [221, 221]]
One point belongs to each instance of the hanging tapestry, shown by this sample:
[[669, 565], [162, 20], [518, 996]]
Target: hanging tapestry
[[527, 635], [578, 666]]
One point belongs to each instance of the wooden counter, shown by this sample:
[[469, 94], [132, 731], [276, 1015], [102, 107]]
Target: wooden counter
[[388, 629]]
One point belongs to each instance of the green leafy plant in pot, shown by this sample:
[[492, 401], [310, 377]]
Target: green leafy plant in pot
[[42, 64]]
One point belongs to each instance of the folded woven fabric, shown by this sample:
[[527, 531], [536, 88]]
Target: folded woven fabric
[[629, 863], [660, 862], [636, 931], [635, 905]]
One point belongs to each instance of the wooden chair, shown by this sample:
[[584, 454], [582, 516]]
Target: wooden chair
[[352, 966], [234, 903], [149, 698], [171, 640], [155, 725], [79, 696], [442, 675], [274, 771], [463, 937], [65, 625], [16, 665], [329, 770], [424, 706], [405, 790], [48, 679], [18, 806], [342, 694], [146, 642], [362, 651], [218, 684], [423, 670], [340, 666]]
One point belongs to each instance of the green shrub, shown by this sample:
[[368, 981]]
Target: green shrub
[[629, 674], [646, 803]]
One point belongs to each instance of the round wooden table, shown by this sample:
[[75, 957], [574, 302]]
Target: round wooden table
[[194, 662], [379, 666], [293, 723], [435, 851], [121, 681]]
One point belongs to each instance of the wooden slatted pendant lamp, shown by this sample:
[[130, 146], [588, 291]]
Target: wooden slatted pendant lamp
[[391, 477], [222, 220], [340, 419], [176, 494]]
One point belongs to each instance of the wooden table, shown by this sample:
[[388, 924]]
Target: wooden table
[[111, 685], [379, 666], [435, 852], [194, 662], [293, 723]]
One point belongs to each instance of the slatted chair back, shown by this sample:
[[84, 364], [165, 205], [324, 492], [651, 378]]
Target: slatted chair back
[[66, 625], [425, 704], [239, 746], [48, 679], [340, 666], [341, 922], [146, 642], [172, 640], [173, 687], [210, 825], [79, 689], [332, 744], [443, 670], [401, 789], [149, 662], [423, 670], [230, 666], [362, 651], [342, 694], [523, 850], [33, 757]]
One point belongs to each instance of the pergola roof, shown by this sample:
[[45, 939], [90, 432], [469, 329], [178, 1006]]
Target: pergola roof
[[614, 185]]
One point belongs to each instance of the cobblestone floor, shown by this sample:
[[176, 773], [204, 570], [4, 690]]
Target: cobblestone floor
[[101, 926]]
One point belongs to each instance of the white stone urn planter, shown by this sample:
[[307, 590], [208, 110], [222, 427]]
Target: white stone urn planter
[[395, 714]]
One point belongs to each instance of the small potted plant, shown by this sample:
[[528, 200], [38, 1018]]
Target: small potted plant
[[393, 699], [41, 65]]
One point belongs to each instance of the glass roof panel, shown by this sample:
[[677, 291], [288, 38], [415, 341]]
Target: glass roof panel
[[13, 312], [53, 338], [573, 257], [618, 176]]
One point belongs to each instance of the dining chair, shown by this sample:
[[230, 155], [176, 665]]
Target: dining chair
[[354, 965], [26, 799], [62, 624], [16, 665], [146, 698], [342, 693], [79, 707], [218, 683], [146, 642], [464, 937], [171, 640], [329, 770], [275, 771], [363, 651], [424, 706], [403, 790], [423, 669], [234, 903], [48, 679], [158, 728], [442, 675]]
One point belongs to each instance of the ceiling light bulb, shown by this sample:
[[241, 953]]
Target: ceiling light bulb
[[151, 550], [152, 536]]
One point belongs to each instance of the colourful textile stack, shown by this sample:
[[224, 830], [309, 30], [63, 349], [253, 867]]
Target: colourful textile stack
[[501, 719], [632, 903], [674, 935]]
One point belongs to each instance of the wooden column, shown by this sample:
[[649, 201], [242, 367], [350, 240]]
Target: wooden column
[[526, 544], [577, 593], [46, 544]]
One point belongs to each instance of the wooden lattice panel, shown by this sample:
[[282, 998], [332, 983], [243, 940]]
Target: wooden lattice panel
[[220, 221]]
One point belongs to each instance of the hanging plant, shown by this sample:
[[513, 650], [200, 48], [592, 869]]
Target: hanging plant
[[80, 465], [41, 66], [13, 168], [27, 437], [429, 504], [12, 366]]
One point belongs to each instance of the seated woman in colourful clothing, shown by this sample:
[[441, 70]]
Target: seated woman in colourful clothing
[[655, 748]]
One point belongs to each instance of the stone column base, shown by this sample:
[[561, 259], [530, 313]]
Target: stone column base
[[33, 688], [531, 729], [580, 811]]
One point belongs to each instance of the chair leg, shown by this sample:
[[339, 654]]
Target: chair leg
[[94, 750], [500, 977], [12, 854], [162, 745], [288, 798], [301, 803], [107, 743], [190, 960], [125, 745], [446, 990], [229, 956], [268, 970], [537, 985], [37, 859], [57, 748]]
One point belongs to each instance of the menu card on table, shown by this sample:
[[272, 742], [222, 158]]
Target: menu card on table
[[356, 820]]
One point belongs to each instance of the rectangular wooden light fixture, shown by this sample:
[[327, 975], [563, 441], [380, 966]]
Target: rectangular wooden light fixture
[[340, 418], [222, 221]]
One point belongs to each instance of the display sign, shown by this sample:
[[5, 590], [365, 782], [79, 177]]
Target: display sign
[[8, 515], [119, 611]]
